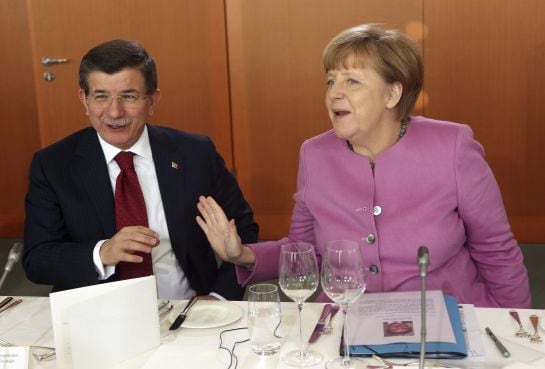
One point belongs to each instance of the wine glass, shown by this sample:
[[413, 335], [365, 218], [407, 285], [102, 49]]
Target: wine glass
[[343, 281], [298, 279]]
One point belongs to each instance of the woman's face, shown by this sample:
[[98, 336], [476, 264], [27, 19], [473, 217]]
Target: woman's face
[[358, 101]]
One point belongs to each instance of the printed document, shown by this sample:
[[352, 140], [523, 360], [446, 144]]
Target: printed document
[[383, 318]]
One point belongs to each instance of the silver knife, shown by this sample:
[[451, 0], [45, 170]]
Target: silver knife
[[14, 303], [5, 301], [320, 325], [180, 318]]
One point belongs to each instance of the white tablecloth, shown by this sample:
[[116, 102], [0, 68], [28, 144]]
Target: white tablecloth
[[30, 324]]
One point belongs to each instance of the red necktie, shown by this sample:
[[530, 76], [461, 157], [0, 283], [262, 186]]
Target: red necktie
[[130, 210]]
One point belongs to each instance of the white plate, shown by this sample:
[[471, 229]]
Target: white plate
[[208, 314]]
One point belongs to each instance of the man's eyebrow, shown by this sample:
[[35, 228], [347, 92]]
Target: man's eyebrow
[[129, 90], [102, 91]]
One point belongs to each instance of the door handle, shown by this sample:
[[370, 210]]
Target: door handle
[[46, 60]]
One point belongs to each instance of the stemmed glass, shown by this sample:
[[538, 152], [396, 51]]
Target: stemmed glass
[[298, 279], [343, 280]]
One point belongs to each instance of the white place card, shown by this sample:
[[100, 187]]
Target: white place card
[[101, 325], [14, 357]]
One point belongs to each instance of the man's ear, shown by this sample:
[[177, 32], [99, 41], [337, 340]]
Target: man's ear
[[155, 97], [395, 91], [82, 98]]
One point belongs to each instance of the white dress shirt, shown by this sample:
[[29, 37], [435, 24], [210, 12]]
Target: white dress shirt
[[170, 278]]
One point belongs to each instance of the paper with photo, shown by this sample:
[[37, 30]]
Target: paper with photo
[[101, 325], [383, 318]]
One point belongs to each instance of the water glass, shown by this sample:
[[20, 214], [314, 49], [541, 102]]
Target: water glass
[[264, 318]]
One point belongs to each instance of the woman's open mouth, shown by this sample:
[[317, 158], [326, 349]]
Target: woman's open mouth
[[340, 113]]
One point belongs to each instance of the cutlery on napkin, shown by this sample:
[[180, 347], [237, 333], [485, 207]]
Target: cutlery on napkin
[[319, 328], [180, 318], [5, 301], [14, 303]]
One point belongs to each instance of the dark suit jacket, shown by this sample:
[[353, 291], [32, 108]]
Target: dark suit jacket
[[70, 207]]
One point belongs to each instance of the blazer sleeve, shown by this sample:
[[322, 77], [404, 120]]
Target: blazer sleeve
[[489, 238], [50, 255]]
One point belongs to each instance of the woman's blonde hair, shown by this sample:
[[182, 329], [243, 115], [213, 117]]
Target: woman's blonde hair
[[392, 54]]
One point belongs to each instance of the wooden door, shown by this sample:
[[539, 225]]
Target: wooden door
[[185, 37], [19, 138], [278, 87]]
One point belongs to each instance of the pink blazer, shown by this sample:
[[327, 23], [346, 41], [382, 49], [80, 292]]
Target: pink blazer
[[432, 188]]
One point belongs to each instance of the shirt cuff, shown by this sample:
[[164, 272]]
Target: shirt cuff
[[219, 297], [103, 271]]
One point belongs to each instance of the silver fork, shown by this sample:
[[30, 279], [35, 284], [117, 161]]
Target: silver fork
[[535, 338], [164, 308], [38, 355], [162, 304], [163, 313]]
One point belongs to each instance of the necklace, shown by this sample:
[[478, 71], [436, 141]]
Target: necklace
[[403, 128], [402, 131]]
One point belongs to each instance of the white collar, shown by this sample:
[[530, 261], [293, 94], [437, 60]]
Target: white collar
[[141, 147]]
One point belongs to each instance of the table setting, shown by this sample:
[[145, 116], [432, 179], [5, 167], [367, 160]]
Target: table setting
[[262, 332], [29, 323]]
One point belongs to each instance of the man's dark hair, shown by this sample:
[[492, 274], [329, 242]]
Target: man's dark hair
[[113, 56]]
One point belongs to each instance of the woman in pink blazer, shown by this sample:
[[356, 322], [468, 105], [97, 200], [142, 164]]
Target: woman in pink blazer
[[393, 182]]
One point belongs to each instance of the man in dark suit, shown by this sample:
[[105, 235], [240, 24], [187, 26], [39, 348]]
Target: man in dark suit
[[71, 238]]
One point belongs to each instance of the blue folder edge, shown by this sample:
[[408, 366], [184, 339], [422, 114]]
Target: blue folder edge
[[434, 350]]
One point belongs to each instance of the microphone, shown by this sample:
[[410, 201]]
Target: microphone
[[423, 259], [13, 256]]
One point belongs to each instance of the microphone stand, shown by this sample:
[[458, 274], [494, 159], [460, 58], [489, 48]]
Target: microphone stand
[[423, 321], [4, 275], [423, 260]]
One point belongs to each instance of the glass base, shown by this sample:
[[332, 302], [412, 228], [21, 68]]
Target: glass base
[[302, 358], [341, 363]]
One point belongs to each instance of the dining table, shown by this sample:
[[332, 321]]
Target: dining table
[[198, 345]]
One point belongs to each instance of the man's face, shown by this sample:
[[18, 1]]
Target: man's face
[[117, 105]]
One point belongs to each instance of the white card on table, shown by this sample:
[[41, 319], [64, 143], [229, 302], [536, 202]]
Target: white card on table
[[101, 325], [14, 357]]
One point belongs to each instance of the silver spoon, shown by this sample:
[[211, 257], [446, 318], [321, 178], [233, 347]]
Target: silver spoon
[[520, 332], [535, 338]]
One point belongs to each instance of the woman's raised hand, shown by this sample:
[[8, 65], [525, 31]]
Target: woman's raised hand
[[222, 233]]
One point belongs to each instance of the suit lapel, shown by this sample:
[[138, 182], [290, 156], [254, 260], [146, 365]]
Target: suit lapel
[[168, 160], [91, 172]]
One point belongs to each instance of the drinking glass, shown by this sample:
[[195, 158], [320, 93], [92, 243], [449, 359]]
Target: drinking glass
[[264, 319], [343, 280], [298, 279]]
